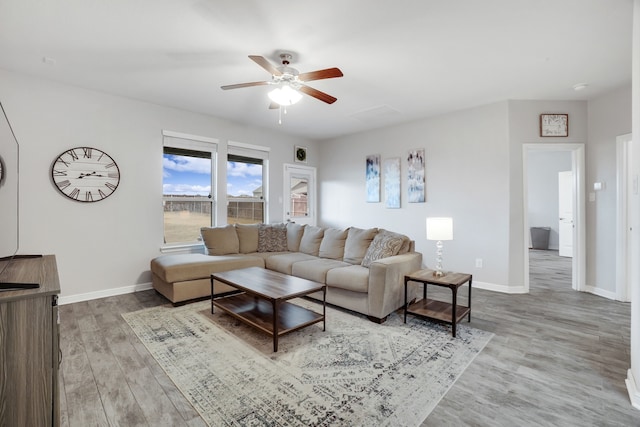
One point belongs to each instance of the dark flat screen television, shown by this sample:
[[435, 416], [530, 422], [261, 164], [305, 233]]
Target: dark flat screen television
[[9, 202]]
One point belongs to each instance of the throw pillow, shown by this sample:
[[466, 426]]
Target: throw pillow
[[272, 238], [332, 245], [311, 239], [383, 245], [406, 241], [220, 240], [357, 243]]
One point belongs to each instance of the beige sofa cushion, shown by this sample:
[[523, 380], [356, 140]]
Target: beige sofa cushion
[[272, 237], [220, 240], [315, 269], [294, 235], [332, 245], [383, 246], [283, 262], [357, 243], [352, 278], [182, 267], [311, 239], [247, 237]]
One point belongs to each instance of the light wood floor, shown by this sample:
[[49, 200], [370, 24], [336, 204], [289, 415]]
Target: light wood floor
[[558, 358]]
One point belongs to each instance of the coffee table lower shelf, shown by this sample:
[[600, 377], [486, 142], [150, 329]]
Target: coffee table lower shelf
[[259, 313], [437, 310]]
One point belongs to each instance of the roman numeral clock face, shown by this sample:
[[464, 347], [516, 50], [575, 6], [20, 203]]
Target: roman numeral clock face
[[85, 174]]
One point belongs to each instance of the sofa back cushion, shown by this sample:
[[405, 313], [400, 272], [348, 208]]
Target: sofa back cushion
[[357, 243], [384, 245], [332, 245], [220, 240], [248, 238], [294, 235], [311, 239], [272, 238]]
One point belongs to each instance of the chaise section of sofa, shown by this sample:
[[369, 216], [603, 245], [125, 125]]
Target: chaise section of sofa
[[363, 268]]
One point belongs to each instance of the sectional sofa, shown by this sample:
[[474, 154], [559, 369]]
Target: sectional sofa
[[363, 268]]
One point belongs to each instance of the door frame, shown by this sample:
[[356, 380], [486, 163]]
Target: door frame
[[312, 200], [562, 177], [578, 264], [623, 193]]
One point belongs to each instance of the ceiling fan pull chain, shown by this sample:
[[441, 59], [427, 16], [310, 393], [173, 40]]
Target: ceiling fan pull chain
[[280, 115]]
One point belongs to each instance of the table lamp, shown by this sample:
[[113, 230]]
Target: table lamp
[[439, 229]]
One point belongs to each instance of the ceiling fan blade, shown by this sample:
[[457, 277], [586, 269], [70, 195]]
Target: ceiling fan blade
[[318, 94], [239, 85], [262, 61], [274, 106], [329, 73]]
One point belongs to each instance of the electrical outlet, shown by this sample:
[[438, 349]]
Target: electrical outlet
[[478, 262]]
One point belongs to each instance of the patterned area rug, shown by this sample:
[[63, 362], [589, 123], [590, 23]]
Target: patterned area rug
[[356, 373]]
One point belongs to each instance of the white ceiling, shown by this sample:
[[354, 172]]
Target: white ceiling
[[402, 60]]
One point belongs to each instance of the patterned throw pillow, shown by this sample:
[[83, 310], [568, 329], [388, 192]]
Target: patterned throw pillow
[[383, 245], [272, 238]]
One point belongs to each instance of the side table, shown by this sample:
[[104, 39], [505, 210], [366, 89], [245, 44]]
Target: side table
[[438, 310]]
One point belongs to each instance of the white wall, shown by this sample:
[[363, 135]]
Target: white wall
[[542, 170], [474, 169], [609, 116], [467, 178], [106, 246]]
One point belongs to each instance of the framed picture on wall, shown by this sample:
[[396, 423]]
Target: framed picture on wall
[[392, 183], [372, 179], [554, 124], [415, 176]]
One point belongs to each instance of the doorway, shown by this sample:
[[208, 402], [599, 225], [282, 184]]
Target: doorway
[[575, 153], [300, 194]]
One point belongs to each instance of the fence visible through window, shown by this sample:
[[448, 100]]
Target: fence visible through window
[[244, 212]]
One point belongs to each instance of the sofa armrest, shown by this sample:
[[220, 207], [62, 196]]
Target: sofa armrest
[[386, 282]]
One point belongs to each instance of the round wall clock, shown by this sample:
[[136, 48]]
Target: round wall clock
[[85, 174]]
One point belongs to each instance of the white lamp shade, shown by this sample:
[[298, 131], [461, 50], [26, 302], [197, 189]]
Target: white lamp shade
[[439, 229], [285, 95]]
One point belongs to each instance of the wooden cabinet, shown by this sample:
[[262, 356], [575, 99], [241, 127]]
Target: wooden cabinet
[[29, 349]]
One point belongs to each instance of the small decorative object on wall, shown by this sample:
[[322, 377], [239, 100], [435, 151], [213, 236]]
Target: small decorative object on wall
[[1, 170], [554, 125], [300, 154], [373, 178], [415, 176], [85, 174], [392, 183]]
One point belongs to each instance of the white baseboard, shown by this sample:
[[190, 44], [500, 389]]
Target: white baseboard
[[499, 288], [634, 393], [601, 292], [103, 294]]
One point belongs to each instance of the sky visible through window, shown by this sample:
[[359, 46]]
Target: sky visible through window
[[191, 176]]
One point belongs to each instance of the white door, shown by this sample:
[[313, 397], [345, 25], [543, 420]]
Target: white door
[[565, 208], [300, 194]]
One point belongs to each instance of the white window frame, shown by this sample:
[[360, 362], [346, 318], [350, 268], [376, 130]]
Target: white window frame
[[256, 152], [196, 143]]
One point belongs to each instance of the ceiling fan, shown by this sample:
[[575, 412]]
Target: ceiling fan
[[289, 82]]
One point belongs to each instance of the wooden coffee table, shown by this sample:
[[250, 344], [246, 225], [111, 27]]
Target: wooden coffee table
[[262, 300]]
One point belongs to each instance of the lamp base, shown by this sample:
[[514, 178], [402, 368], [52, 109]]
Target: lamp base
[[439, 273]]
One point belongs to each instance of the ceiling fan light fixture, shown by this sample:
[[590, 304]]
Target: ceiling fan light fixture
[[285, 95]]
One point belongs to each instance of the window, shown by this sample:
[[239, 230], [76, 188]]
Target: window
[[188, 190], [246, 186]]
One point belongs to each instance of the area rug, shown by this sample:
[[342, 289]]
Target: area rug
[[356, 373]]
